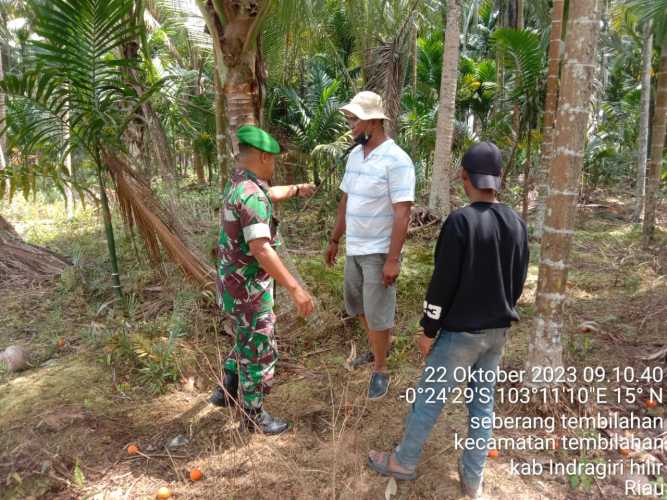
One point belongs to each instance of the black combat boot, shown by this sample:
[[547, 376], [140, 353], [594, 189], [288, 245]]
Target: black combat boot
[[228, 394], [261, 421]]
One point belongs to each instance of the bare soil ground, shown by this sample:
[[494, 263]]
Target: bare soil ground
[[66, 422]]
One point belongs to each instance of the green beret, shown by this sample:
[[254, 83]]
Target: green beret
[[258, 139]]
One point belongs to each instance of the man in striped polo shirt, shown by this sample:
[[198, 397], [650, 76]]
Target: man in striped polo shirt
[[373, 213]]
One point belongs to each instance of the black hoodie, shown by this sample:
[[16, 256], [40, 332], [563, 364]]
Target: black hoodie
[[481, 263]]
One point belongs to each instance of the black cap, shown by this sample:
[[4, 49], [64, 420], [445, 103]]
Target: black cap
[[484, 164]]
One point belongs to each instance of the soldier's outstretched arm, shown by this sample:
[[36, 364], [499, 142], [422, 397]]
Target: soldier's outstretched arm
[[271, 263]]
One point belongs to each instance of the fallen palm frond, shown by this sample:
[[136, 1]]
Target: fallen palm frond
[[142, 210], [22, 260]]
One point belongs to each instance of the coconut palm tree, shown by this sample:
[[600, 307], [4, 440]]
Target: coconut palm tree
[[545, 348]]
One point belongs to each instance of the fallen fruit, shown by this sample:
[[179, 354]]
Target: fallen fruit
[[196, 474], [493, 453], [163, 492], [624, 451], [650, 403], [133, 449], [61, 343]]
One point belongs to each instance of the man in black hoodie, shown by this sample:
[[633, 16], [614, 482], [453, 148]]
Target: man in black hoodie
[[481, 262]]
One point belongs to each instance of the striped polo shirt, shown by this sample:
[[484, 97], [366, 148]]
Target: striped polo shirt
[[373, 184]]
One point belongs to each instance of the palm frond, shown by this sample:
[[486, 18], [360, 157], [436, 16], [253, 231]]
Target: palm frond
[[183, 16], [524, 59], [655, 10], [141, 209], [74, 67]]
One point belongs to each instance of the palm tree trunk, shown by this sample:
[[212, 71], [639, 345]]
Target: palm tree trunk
[[393, 87], [516, 114], [198, 166], [657, 148], [162, 150], [645, 111], [3, 114], [223, 145], [526, 177], [67, 162], [197, 161], [439, 195], [545, 348], [414, 60], [550, 106], [108, 229], [234, 34]]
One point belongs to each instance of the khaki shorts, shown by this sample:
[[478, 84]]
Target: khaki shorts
[[365, 293]]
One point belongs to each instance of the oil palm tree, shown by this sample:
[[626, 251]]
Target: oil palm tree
[[313, 119]]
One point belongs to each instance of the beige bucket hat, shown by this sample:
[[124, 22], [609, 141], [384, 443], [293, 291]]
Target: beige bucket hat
[[366, 105]]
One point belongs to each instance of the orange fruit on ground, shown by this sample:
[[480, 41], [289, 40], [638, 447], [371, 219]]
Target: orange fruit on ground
[[650, 403], [133, 449], [624, 451], [493, 453], [61, 343], [163, 492], [196, 474]]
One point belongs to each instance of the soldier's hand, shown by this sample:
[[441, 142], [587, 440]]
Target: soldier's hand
[[332, 252], [303, 301], [306, 190]]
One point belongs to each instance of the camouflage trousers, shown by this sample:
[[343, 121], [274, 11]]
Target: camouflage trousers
[[254, 355]]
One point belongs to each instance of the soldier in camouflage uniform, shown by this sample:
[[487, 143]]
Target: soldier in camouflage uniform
[[247, 267]]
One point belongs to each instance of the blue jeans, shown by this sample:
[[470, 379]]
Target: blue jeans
[[456, 352]]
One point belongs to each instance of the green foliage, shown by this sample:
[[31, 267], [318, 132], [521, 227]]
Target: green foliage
[[655, 10], [78, 476], [477, 86], [524, 58], [312, 117], [74, 76], [478, 43], [155, 360], [429, 63]]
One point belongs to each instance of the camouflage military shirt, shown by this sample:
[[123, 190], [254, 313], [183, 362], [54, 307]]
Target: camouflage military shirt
[[246, 214]]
